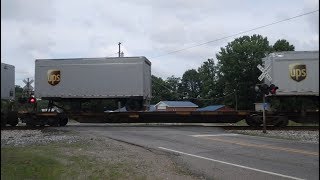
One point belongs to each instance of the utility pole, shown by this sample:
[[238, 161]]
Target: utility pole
[[236, 98], [264, 114], [119, 49]]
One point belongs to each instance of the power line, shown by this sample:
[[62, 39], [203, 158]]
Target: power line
[[260, 27]]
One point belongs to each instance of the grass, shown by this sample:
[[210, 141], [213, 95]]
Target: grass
[[59, 161]]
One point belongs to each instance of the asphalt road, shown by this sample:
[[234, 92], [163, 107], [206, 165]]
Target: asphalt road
[[216, 154]]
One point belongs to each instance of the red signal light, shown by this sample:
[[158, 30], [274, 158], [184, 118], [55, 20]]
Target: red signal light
[[273, 89], [32, 100]]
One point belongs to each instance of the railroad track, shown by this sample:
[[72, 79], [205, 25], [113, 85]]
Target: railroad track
[[288, 128], [22, 128], [226, 127]]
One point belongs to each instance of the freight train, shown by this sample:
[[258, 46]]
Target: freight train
[[128, 81]]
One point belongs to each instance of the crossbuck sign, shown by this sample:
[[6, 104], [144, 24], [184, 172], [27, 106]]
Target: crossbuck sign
[[28, 86], [264, 72]]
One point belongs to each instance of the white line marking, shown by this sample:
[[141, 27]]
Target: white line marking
[[223, 162], [209, 135]]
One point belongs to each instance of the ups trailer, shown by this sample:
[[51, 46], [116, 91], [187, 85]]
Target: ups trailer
[[296, 74], [8, 113], [124, 79]]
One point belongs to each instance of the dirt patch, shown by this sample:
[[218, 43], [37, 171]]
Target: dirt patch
[[87, 157], [134, 160]]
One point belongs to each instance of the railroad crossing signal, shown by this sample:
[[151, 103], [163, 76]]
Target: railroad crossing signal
[[28, 86], [264, 72]]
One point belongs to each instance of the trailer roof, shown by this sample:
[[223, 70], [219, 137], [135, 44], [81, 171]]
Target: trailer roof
[[294, 55], [98, 59]]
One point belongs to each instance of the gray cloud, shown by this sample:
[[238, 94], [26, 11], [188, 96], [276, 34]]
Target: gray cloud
[[63, 29], [31, 10]]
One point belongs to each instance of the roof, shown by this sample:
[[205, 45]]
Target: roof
[[211, 108], [178, 104]]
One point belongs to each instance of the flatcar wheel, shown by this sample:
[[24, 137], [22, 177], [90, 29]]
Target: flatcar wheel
[[13, 118], [3, 120], [282, 121], [253, 121], [29, 122], [53, 121], [63, 121]]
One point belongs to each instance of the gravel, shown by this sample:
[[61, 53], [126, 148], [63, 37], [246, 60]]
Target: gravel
[[30, 137], [303, 136]]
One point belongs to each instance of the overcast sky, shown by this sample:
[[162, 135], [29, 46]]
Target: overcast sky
[[36, 29]]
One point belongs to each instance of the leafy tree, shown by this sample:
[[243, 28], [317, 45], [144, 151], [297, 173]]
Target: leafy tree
[[173, 83], [282, 45], [160, 90], [209, 91], [238, 70], [190, 84]]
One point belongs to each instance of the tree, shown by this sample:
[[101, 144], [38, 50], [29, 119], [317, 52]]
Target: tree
[[160, 90], [282, 45], [208, 73], [173, 83], [238, 70], [190, 84]]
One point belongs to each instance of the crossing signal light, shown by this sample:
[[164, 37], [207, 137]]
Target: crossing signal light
[[273, 89], [32, 100]]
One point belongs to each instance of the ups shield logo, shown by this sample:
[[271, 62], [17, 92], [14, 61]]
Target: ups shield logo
[[298, 72], [54, 77]]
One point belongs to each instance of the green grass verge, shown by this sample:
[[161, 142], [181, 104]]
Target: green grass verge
[[59, 161]]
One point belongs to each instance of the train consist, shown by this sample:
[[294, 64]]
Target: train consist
[[128, 81]]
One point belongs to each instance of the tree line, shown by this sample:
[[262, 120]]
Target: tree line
[[230, 81]]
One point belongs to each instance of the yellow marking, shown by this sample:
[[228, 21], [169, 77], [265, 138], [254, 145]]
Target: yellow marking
[[266, 146], [134, 116], [183, 113], [208, 113], [243, 113]]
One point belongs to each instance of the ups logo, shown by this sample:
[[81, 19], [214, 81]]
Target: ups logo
[[53, 77], [298, 72]]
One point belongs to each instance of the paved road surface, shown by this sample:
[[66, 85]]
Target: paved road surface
[[214, 153]]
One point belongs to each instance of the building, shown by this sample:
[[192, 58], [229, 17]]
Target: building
[[216, 108], [176, 106]]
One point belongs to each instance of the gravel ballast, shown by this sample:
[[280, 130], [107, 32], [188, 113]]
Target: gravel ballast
[[29, 137], [303, 136]]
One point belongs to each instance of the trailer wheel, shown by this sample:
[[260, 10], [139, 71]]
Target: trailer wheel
[[281, 121]]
